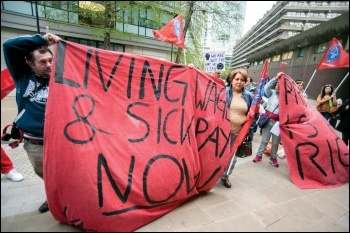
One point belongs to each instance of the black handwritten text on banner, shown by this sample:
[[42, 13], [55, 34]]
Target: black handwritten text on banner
[[128, 138]]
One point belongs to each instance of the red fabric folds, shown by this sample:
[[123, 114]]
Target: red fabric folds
[[129, 138], [7, 84], [316, 156]]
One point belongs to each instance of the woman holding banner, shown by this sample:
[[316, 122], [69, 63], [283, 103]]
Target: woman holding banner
[[238, 101]]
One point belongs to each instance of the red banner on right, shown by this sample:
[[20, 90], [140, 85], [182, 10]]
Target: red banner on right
[[316, 156]]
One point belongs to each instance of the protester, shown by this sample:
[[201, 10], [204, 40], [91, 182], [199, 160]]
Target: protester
[[326, 102], [249, 85], [7, 168], [272, 110], [343, 125], [29, 61], [333, 120], [217, 74], [251, 88], [300, 84], [238, 101]]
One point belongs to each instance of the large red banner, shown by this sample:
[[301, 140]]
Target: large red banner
[[316, 156], [129, 138]]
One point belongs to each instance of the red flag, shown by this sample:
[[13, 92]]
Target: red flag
[[7, 84], [334, 57], [316, 156], [254, 109], [172, 32]]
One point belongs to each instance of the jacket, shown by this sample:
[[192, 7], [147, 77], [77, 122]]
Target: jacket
[[343, 125], [248, 97], [31, 90]]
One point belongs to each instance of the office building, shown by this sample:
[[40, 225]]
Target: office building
[[286, 19], [298, 33]]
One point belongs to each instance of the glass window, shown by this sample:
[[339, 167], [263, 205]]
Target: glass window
[[320, 48], [301, 52], [96, 44], [276, 58], [287, 55]]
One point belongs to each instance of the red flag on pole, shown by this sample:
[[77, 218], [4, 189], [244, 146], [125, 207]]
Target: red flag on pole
[[254, 109], [334, 57], [172, 32]]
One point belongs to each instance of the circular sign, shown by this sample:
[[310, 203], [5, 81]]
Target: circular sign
[[220, 66], [333, 54]]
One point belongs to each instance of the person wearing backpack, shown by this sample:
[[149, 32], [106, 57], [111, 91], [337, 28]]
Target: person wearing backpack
[[271, 90]]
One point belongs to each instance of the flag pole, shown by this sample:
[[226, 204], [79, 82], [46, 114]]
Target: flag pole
[[185, 56], [322, 58], [347, 75], [310, 81], [283, 65], [171, 53]]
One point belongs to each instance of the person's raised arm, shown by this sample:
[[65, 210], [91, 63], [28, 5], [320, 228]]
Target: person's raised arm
[[268, 87], [16, 49]]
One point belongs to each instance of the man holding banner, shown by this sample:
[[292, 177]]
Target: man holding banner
[[29, 62]]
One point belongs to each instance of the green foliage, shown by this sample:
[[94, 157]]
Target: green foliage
[[201, 16]]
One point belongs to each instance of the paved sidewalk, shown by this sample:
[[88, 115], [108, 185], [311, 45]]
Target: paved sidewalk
[[262, 198]]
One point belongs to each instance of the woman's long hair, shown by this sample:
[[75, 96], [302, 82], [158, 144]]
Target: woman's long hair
[[323, 93]]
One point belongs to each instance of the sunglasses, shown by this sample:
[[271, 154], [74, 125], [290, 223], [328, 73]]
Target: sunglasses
[[328, 85]]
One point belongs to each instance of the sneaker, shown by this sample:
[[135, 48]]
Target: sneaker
[[14, 176], [274, 162], [257, 159], [44, 207], [281, 154]]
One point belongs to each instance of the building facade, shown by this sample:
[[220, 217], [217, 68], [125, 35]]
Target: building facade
[[297, 33], [59, 17], [286, 19]]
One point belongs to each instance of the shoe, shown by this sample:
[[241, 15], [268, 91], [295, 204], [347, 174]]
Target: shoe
[[281, 154], [226, 182], [14, 176], [257, 159], [274, 162], [44, 207]]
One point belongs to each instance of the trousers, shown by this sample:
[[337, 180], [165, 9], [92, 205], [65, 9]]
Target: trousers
[[35, 154], [266, 135], [232, 161], [6, 163]]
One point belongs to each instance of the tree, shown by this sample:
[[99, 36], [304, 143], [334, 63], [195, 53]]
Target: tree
[[102, 17], [202, 16], [199, 17]]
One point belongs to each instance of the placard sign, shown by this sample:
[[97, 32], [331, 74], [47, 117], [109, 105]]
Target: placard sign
[[214, 61]]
